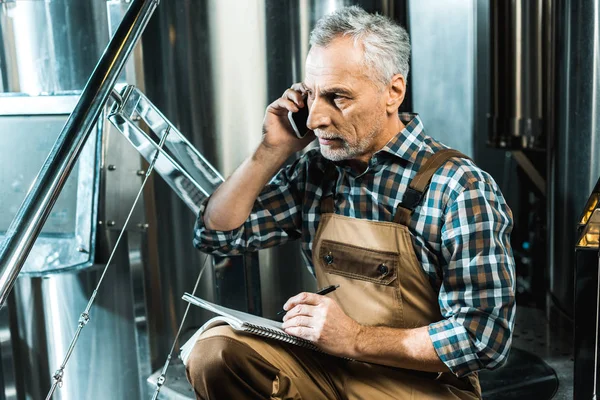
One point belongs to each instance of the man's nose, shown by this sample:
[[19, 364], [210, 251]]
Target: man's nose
[[318, 116]]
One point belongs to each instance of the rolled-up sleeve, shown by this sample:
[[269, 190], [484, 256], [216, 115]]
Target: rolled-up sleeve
[[477, 295], [275, 217]]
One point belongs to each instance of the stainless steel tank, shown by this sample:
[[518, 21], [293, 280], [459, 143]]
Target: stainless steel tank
[[575, 157], [521, 68], [48, 51], [50, 47], [443, 69]]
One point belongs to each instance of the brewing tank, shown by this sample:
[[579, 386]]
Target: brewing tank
[[575, 157], [521, 73], [48, 50]]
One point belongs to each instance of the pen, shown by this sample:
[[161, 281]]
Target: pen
[[322, 292]]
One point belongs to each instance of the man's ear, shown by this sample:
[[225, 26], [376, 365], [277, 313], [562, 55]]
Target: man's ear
[[396, 92]]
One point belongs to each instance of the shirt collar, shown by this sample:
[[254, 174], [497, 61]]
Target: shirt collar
[[407, 143]]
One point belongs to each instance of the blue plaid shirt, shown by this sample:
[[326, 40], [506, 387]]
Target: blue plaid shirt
[[461, 236]]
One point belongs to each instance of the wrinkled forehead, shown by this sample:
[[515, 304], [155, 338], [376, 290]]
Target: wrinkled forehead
[[341, 62]]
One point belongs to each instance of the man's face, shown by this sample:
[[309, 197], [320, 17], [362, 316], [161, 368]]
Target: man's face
[[347, 107]]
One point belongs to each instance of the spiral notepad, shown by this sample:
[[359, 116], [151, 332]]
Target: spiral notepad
[[240, 321]]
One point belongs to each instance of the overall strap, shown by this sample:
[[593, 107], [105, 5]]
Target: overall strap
[[420, 183]]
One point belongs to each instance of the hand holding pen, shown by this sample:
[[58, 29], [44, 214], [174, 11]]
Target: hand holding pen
[[322, 292], [322, 321]]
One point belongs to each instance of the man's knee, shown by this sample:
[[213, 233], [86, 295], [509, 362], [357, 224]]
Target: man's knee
[[223, 363], [214, 357]]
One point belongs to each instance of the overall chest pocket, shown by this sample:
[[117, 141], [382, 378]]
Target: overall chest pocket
[[358, 263]]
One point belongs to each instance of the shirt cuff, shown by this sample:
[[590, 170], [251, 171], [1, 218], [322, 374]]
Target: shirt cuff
[[454, 347], [211, 241]]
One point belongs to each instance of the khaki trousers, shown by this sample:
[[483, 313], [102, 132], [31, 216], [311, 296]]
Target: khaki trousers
[[229, 365]]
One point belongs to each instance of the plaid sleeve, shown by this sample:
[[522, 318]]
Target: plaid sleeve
[[275, 217], [477, 295]]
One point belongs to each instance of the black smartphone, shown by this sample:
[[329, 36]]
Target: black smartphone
[[298, 121]]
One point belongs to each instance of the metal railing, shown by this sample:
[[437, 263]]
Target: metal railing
[[33, 212], [179, 163]]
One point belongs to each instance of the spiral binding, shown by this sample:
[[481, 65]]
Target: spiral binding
[[273, 334]]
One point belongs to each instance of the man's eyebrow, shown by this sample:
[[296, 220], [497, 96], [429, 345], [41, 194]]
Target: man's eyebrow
[[332, 90], [335, 90]]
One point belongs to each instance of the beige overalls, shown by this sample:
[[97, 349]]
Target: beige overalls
[[381, 283]]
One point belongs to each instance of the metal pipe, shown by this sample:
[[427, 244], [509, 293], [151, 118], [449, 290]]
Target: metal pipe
[[116, 96], [33, 212]]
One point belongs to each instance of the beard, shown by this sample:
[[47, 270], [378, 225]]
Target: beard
[[343, 149]]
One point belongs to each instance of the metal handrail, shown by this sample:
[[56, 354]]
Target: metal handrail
[[33, 212]]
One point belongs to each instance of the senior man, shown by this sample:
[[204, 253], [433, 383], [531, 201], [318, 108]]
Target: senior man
[[417, 236]]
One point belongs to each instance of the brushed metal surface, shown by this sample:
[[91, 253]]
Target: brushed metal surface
[[575, 159], [443, 62], [34, 211], [56, 54], [67, 240], [49, 47], [521, 59], [104, 363]]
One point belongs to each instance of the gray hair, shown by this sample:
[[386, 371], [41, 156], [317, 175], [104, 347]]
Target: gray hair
[[386, 44]]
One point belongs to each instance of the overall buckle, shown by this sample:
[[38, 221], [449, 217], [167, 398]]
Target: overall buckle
[[411, 199]]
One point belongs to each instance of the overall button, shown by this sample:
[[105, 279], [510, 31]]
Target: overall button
[[383, 269], [328, 258]]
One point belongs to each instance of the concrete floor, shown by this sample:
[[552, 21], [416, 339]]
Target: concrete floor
[[552, 343]]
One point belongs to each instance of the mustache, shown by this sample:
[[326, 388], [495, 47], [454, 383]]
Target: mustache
[[327, 135]]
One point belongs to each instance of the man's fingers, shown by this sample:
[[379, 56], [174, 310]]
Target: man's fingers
[[281, 106], [301, 332], [302, 298], [295, 96], [299, 309], [301, 320], [299, 87]]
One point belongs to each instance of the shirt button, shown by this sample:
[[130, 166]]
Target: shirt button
[[328, 258], [382, 269]]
